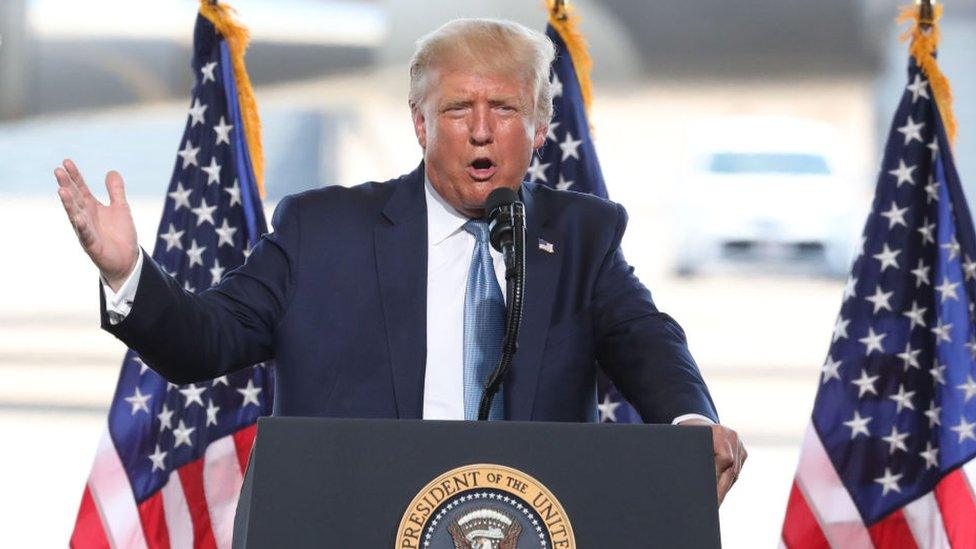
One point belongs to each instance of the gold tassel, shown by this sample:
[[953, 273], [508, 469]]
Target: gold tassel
[[236, 35], [923, 48], [562, 17]]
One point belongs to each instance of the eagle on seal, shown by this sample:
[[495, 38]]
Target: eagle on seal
[[485, 528]]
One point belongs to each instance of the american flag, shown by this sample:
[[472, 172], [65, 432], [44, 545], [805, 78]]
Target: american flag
[[170, 464], [568, 161], [886, 459]]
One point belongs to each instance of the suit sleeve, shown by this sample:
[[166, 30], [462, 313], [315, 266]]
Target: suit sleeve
[[189, 337], [643, 350]]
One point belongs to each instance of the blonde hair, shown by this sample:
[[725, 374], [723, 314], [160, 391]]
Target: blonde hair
[[493, 44]]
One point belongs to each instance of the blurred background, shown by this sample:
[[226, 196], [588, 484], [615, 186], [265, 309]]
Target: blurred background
[[744, 139]]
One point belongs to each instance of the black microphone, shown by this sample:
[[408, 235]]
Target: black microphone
[[506, 226], [499, 207]]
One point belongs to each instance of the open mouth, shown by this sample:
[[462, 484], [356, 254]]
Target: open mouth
[[481, 169]]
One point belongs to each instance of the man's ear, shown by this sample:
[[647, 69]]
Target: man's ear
[[541, 132], [419, 125]]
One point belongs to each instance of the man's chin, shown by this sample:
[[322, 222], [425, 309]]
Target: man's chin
[[472, 194], [476, 200], [484, 188]]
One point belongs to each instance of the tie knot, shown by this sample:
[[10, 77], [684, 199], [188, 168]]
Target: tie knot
[[478, 228]]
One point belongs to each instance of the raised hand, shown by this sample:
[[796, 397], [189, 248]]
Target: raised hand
[[106, 232]]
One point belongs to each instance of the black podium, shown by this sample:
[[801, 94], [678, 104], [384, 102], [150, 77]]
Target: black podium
[[447, 484]]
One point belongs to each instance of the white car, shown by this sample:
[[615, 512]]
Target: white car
[[766, 189]]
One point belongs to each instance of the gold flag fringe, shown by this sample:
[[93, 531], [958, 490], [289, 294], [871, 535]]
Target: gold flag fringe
[[562, 17], [925, 41], [224, 19]]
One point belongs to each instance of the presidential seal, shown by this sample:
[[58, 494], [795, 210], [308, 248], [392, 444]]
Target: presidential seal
[[485, 506]]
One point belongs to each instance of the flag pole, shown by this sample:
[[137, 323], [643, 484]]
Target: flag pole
[[559, 10], [566, 24], [925, 13], [924, 36]]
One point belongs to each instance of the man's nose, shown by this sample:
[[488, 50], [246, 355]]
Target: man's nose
[[481, 126]]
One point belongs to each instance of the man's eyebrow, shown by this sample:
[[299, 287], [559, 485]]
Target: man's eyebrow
[[505, 100], [448, 103]]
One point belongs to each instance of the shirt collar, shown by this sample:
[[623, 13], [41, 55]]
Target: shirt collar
[[443, 220]]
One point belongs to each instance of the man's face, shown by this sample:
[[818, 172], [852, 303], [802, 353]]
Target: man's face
[[478, 132]]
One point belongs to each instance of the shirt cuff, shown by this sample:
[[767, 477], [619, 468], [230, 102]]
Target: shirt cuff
[[686, 417], [118, 304]]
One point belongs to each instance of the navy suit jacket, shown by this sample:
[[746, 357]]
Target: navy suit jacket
[[337, 296]]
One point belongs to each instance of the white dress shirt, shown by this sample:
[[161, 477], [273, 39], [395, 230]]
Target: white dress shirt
[[449, 251]]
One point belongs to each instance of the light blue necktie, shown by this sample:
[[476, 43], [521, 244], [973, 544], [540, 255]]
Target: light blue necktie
[[484, 325]]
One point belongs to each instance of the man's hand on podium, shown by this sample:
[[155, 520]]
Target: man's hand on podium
[[106, 232], [730, 454]]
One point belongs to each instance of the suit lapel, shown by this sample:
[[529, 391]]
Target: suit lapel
[[541, 274], [401, 261]]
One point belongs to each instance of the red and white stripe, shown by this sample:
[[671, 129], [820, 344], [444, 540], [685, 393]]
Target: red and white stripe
[[821, 513], [194, 509]]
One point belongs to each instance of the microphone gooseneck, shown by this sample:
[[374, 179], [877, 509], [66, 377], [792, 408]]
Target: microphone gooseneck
[[506, 226]]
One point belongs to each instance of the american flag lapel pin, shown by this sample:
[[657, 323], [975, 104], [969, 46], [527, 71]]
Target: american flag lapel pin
[[546, 246]]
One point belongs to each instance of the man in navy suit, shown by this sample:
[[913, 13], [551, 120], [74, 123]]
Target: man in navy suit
[[359, 295]]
